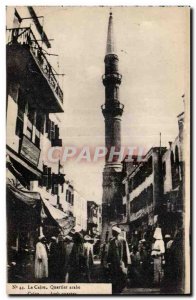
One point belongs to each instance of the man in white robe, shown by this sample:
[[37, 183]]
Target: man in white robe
[[157, 253], [88, 253], [41, 259]]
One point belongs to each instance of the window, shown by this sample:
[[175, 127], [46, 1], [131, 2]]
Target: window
[[56, 132], [40, 122], [176, 155], [20, 115], [29, 131], [173, 171], [37, 138], [46, 177], [30, 122], [19, 127], [52, 129], [72, 199], [48, 123], [55, 189], [67, 195]]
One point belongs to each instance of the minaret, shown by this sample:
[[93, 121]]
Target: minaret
[[112, 111]]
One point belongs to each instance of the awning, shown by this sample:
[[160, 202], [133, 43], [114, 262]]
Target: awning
[[14, 172], [23, 208], [27, 197], [28, 208], [63, 219], [31, 169]]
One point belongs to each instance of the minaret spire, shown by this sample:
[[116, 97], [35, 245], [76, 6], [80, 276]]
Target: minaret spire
[[110, 47], [112, 111]]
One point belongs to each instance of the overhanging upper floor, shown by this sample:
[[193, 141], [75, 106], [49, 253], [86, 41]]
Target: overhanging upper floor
[[27, 64]]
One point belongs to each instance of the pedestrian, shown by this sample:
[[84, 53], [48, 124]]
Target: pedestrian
[[173, 277], [60, 259], [104, 255], [158, 256], [146, 266], [168, 241], [52, 259], [135, 239], [118, 260], [88, 253], [77, 262], [41, 260], [68, 245], [104, 251], [135, 268], [96, 248]]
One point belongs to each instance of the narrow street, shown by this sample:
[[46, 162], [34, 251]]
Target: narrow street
[[97, 273], [98, 277]]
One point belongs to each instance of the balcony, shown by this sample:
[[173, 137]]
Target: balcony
[[28, 64], [114, 105], [114, 78], [113, 108]]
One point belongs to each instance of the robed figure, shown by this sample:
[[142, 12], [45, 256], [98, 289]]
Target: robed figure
[[118, 259], [41, 259]]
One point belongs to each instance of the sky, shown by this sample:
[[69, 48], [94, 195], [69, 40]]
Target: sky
[[152, 45]]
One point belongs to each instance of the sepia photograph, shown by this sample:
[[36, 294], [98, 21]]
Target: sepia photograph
[[98, 150]]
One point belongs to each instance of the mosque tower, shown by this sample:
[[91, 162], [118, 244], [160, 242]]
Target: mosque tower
[[112, 111]]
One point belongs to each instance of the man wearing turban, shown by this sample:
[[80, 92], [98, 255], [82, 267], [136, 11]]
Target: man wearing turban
[[118, 259]]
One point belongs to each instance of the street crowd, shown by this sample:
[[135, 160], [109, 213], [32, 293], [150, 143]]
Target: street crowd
[[153, 261], [67, 259], [139, 264]]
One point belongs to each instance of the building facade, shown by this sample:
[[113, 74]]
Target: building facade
[[143, 192], [34, 103], [80, 212], [153, 189], [173, 180], [36, 187], [112, 111], [99, 228], [93, 218]]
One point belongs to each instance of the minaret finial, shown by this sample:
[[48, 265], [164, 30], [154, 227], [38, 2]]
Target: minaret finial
[[110, 48]]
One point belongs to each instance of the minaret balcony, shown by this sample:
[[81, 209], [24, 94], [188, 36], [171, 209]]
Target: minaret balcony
[[114, 78], [113, 108], [27, 64]]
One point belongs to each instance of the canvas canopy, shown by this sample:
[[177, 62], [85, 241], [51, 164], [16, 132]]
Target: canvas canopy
[[30, 208], [63, 219]]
